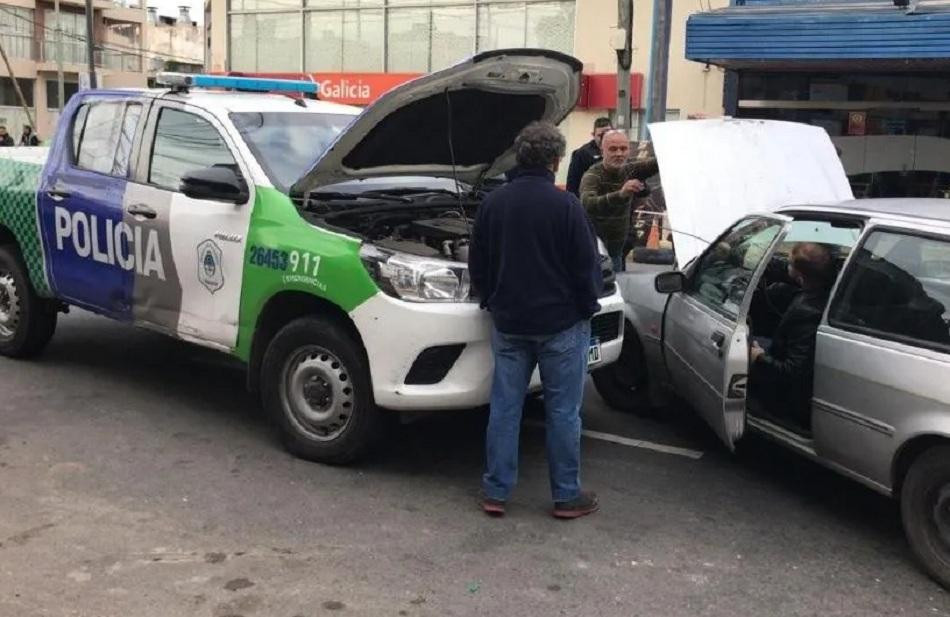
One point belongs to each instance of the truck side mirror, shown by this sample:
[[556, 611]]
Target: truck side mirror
[[217, 183], [669, 282]]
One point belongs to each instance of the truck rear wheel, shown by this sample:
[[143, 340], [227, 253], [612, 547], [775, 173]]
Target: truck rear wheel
[[27, 322], [316, 386], [925, 511]]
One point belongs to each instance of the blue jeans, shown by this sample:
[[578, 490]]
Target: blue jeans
[[562, 359]]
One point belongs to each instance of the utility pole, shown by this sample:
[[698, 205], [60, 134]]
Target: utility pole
[[16, 86], [90, 45], [659, 64], [61, 90], [623, 45]]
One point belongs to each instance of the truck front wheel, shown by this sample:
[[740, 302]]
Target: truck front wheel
[[27, 322], [316, 386]]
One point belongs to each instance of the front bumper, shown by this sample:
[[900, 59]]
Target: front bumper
[[395, 333]]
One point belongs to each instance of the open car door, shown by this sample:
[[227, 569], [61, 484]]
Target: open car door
[[705, 329]]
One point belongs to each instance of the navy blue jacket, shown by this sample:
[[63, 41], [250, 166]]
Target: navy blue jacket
[[533, 259]]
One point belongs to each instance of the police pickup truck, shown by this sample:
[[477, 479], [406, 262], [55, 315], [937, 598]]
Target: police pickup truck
[[323, 246]]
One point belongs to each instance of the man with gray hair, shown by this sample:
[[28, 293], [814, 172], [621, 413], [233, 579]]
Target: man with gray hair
[[534, 265]]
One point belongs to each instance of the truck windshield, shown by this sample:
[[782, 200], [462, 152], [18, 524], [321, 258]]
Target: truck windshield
[[287, 144]]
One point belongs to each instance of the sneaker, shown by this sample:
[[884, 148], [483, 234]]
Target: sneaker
[[493, 507], [584, 504]]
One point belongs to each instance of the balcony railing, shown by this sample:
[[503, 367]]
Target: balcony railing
[[23, 47], [74, 52], [19, 46]]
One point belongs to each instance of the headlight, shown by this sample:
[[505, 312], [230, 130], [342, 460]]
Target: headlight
[[417, 279]]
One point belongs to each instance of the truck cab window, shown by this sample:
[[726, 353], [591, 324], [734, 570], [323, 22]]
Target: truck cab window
[[130, 122], [185, 142], [100, 136], [79, 123]]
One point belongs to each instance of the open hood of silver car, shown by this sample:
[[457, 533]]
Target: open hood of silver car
[[468, 114], [714, 172]]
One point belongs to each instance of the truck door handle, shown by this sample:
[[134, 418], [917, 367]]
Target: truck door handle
[[718, 338], [141, 210], [57, 194]]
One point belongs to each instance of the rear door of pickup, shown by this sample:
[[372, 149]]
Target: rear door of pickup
[[93, 247]]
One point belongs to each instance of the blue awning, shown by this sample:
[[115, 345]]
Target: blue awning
[[870, 32]]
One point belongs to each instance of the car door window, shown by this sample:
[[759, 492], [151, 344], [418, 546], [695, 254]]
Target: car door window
[[897, 287], [100, 136], [123, 154], [724, 272], [79, 124], [185, 142]]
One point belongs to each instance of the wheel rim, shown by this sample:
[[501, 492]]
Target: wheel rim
[[317, 394], [941, 515], [9, 306]]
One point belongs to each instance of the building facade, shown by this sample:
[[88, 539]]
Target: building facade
[[173, 43], [874, 73], [357, 49], [28, 33]]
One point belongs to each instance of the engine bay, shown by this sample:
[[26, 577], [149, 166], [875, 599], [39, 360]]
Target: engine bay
[[437, 227]]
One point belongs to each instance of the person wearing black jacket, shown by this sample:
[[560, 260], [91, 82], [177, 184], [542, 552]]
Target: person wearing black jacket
[[534, 265], [28, 138], [587, 155], [6, 140], [781, 377]]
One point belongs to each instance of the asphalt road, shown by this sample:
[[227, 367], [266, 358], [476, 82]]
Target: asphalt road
[[138, 478]]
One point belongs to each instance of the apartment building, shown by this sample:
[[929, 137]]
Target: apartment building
[[28, 33]]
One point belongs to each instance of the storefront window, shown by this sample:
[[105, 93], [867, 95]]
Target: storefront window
[[501, 26], [258, 5], [324, 41], [413, 36], [408, 42], [550, 26], [453, 35], [266, 42], [363, 38]]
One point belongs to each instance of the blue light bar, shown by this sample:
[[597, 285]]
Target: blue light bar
[[184, 80]]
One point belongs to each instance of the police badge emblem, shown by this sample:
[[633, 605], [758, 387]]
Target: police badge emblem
[[210, 268]]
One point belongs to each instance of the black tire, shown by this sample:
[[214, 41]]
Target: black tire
[[624, 384], [316, 386], [27, 322], [925, 511]]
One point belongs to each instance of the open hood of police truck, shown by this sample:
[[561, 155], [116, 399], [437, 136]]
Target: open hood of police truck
[[468, 114], [714, 172]]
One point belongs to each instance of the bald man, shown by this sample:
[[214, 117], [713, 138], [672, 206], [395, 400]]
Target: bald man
[[609, 188], [781, 377]]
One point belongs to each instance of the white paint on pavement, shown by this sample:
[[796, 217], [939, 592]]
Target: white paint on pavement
[[633, 443]]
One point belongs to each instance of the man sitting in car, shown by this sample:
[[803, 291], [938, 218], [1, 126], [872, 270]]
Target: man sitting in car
[[781, 376]]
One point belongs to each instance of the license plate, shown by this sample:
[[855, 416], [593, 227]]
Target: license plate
[[593, 352]]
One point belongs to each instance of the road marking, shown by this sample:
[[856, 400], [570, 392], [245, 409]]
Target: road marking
[[633, 443]]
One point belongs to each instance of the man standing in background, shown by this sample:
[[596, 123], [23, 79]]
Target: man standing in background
[[586, 155], [609, 189], [6, 140]]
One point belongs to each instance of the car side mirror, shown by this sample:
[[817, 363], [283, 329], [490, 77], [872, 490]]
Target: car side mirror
[[669, 282], [217, 183]]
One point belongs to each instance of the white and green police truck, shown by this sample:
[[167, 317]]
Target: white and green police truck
[[323, 246]]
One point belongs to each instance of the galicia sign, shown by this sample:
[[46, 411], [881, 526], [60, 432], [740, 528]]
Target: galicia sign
[[346, 88], [357, 88]]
